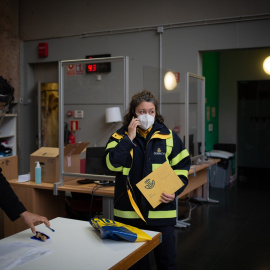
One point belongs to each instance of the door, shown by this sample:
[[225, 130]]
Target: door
[[254, 124]]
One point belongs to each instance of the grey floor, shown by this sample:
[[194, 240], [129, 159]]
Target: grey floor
[[233, 234]]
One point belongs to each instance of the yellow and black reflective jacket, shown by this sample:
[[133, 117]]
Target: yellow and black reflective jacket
[[133, 161]]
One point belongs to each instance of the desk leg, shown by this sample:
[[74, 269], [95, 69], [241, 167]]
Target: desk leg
[[180, 223], [107, 207], [202, 181], [205, 191]]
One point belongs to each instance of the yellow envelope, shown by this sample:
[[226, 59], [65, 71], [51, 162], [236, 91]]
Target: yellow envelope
[[162, 179]]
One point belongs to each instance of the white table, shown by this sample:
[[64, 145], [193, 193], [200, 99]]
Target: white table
[[77, 245]]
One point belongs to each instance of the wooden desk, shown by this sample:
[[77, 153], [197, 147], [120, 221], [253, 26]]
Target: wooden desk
[[37, 199], [107, 193], [40, 199], [197, 177], [77, 245]]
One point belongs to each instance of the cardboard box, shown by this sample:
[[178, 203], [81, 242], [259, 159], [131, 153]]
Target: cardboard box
[[9, 167], [49, 161]]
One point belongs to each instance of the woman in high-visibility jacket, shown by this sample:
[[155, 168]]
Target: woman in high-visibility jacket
[[134, 151]]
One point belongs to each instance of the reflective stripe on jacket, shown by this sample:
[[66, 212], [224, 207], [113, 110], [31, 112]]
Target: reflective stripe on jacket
[[135, 160]]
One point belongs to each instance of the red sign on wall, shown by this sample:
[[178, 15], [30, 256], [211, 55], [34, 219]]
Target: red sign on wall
[[71, 70], [75, 70], [74, 125], [79, 69]]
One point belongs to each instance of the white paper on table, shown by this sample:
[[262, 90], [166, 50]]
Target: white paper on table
[[18, 253], [24, 178]]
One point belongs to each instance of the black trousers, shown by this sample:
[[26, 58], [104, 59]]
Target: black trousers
[[165, 253]]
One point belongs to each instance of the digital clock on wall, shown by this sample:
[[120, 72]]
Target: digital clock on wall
[[98, 67]]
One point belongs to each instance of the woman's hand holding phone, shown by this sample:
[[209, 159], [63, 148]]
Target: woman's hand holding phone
[[132, 128]]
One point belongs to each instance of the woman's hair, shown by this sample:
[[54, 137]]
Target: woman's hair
[[136, 100], [6, 91]]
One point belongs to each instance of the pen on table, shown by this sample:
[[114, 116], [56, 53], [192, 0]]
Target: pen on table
[[50, 228]]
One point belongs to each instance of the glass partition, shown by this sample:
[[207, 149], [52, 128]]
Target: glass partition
[[85, 96], [165, 85], [183, 109], [195, 116]]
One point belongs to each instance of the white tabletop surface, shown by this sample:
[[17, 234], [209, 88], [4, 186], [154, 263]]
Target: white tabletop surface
[[75, 245]]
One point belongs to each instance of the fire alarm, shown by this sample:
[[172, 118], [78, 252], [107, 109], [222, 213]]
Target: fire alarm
[[69, 113], [43, 49]]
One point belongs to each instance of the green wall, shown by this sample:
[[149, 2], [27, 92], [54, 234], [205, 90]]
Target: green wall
[[211, 74]]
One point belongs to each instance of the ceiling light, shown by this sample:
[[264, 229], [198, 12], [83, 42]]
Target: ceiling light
[[170, 81], [266, 65]]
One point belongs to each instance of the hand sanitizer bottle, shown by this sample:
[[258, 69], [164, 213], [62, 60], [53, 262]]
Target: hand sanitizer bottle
[[38, 173]]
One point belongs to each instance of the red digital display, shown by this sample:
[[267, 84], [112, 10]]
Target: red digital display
[[98, 67], [91, 67]]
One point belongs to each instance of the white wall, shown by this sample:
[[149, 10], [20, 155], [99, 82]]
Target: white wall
[[62, 18]]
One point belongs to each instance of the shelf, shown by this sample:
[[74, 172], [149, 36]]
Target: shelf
[[8, 132], [10, 115]]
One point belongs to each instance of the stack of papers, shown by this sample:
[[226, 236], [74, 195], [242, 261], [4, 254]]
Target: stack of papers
[[24, 178], [18, 253]]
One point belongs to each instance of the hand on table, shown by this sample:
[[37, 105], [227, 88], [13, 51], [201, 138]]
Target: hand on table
[[32, 219]]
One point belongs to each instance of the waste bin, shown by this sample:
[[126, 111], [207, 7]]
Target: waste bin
[[219, 175], [229, 147]]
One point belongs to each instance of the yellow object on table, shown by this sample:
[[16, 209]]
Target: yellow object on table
[[110, 229]]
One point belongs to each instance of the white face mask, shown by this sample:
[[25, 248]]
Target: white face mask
[[146, 121]]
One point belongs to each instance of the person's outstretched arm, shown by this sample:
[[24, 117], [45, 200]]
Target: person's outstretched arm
[[32, 219]]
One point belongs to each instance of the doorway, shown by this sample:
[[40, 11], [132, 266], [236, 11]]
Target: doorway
[[253, 128]]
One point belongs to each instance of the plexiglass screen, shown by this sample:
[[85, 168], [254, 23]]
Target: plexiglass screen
[[91, 106], [195, 100]]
